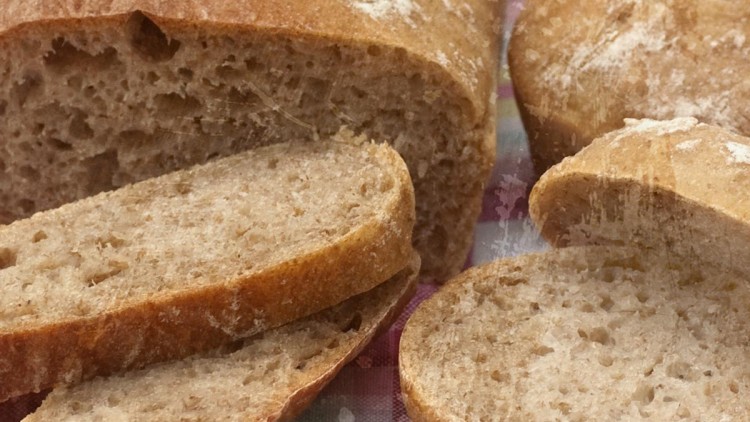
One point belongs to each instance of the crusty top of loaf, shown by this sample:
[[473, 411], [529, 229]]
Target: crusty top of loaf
[[468, 51], [677, 185], [587, 64]]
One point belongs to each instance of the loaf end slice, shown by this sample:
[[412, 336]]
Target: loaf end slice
[[677, 187], [188, 261], [271, 376], [580, 333]]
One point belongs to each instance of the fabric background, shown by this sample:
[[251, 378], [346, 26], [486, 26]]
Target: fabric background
[[367, 389]]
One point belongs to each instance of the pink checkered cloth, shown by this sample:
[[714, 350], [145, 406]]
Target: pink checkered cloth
[[367, 389]]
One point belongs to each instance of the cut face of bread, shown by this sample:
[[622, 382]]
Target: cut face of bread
[[580, 334], [677, 187], [95, 95], [193, 259], [271, 376], [580, 67]]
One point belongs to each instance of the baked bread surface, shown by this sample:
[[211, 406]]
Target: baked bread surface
[[578, 334], [197, 258], [677, 185], [271, 376], [98, 94], [580, 67]]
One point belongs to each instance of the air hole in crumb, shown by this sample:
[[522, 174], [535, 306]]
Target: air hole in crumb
[[27, 205], [79, 128], [59, 145], [38, 236], [272, 163], [534, 307], [29, 173], [708, 373], [3, 106], [644, 394], [733, 387], [333, 344], [149, 41], [607, 303], [64, 56], [31, 85], [600, 335], [499, 376], [668, 399], [115, 267], [185, 73], [175, 105], [542, 350], [566, 304], [110, 241], [300, 366], [354, 324], [587, 308], [642, 297], [8, 258], [253, 64], [606, 361], [682, 371]]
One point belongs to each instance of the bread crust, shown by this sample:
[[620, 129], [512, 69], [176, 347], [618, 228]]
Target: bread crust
[[173, 325], [378, 309], [645, 184], [463, 60], [580, 67]]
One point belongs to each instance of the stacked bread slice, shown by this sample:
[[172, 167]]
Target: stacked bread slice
[[205, 259], [644, 316]]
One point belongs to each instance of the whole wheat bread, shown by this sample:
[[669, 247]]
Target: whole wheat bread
[[675, 186], [96, 94], [272, 376], [580, 334], [580, 67], [187, 261]]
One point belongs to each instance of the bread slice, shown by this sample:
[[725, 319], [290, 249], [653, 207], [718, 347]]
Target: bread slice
[[272, 376], [580, 67], [98, 94], [197, 258], [677, 187], [580, 334]]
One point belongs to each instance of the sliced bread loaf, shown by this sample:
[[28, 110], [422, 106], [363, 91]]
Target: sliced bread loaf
[[271, 376], [97, 94], [580, 67], [185, 262], [677, 187], [580, 334]]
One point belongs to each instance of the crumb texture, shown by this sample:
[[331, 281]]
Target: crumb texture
[[581, 334], [262, 378], [202, 227], [125, 98]]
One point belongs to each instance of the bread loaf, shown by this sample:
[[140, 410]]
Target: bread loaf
[[676, 187], [97, 94], [580, 67], [197, 258], [580, 334], [271, 376]]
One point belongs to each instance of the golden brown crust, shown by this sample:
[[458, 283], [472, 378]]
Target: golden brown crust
[[581, 66], [647, 184], [302, 398], [131, 337]]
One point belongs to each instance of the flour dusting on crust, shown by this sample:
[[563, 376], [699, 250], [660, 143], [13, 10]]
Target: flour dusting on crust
[[382, 9], [738, 153]]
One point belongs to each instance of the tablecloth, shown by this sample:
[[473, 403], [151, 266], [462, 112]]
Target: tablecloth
[[367, 389]]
